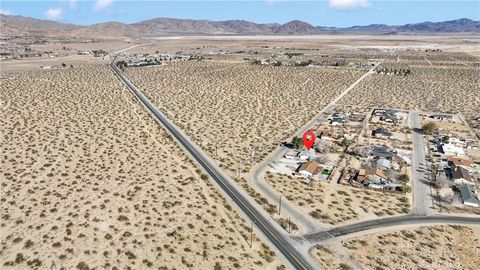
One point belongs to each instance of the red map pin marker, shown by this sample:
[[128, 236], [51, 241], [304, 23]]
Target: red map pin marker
[[308, 139]]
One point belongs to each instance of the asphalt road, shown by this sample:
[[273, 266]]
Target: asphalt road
[[261, 222], [387, 223], [422, 193]]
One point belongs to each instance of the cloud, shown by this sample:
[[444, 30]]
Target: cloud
[[5, 11], [54, 13], [101, 4], [348, 4]]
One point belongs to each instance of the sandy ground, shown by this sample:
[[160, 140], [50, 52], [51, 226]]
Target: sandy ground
[[90, 181], [432, 247], [446, 86], [337, 204], [236, 111], [11, 67]]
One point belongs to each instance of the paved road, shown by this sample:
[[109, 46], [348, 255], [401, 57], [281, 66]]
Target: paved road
[[422, 192], [262, 223], [303, 220], [387, 224]]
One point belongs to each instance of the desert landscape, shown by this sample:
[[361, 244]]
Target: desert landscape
[[239, 113], [90, 181], [95, 176], [426, 247], [438, 82], [334, 204]]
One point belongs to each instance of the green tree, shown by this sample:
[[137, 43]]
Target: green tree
[[403, 178], [297, 142], [429, 127]]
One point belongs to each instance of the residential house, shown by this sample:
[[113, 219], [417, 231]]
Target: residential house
[[468, 195], [383, 164], [303, 155], [389, 119], [461, 175], [381, 133], [452, 150], [381, 152], [454, 161], [372, 174], [356, 117], [388, 116], [442, 117], [309, 169], [336, 121]]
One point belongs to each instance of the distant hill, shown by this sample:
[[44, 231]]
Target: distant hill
[[19, 25], [455, 26]]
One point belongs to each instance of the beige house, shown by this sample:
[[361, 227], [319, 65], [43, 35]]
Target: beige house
[[309, 169]]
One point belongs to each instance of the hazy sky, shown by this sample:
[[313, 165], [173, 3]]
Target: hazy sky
[[325, 13]]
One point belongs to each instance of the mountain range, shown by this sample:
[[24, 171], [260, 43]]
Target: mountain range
[[25, 26]]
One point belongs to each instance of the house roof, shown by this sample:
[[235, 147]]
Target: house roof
[[461, 173], [467, 194], [382, 162], [382, 131], [381, 152], [460, 160], [311, 166], [450, 148], [372, 171]]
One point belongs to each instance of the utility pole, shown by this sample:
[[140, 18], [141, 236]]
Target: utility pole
[[280, 205], [251, 235]]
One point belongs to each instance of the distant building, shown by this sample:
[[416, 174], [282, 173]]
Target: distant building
[[452, 150], [381, 152], [372, 174], [306, 155], [309, 169], [338, 121], [356, 117], [388, 116], [461, 175], [463, 161], [381, 133], [441, 117], [383, 164], [468, 195]]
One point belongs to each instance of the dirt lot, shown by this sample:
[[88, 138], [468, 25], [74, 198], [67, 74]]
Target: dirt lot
[[447, 88], [89, 180], [337, 204], [432, 247], [232, 109]]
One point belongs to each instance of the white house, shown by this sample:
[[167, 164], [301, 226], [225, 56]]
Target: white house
[[452, 150], [306, 155]]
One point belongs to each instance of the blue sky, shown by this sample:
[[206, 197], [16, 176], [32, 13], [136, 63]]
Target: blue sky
[[339, 13]]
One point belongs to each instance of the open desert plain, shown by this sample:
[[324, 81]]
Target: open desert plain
[[198, 144], [428, 247], [90, 181]]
